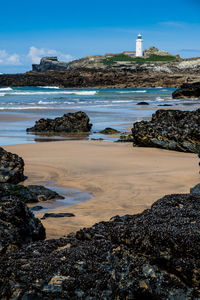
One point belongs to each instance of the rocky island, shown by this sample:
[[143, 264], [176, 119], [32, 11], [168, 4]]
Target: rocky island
[[110, 71]]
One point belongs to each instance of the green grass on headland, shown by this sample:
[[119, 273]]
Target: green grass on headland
[[137, 60]]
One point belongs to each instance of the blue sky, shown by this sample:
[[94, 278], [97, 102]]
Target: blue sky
[[72, 29]]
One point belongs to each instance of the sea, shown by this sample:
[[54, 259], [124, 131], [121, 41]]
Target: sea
[[20, 107]]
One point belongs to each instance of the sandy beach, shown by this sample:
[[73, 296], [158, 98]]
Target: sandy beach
[[122, 179]]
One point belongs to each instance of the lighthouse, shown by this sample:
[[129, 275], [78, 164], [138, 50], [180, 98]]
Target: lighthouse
[[139, 42]]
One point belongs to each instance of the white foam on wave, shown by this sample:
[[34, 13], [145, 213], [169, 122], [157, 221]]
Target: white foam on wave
[[6, 89], [44, 102], [127, 92], [23, 107], [83, 93], [2, 94], [159, 99], [49, 87]]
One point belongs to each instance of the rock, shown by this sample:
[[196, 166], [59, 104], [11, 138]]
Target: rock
[[37, 207], [152, 255], [57, 215], [187, 90], [109, 130], [195, 190], [165, 105], [125, 138], [30, 193], [169, 129], [142, 103], [11, 167], [18, 226], [71, 122]]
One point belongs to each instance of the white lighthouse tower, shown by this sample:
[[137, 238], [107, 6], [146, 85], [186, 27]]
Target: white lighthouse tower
[[139, 42]]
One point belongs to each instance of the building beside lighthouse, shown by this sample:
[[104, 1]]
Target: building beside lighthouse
[[139, 46]]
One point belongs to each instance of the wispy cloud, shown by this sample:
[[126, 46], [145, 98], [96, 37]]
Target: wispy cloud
[[173, 24], [9, 59], [35, 54]]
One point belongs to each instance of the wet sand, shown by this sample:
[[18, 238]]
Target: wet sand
[[122, 179]]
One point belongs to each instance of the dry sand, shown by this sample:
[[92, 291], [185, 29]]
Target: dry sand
[[123, 179]]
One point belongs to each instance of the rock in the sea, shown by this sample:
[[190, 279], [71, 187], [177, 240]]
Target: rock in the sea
[[109, 130], [57, 215], [71, 122], [169, 129], [11, 167], [152, 255], [143, 103], [18, 226], [29, 193], [187, 90]]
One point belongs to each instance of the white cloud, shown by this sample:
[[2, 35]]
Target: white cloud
[[35, 54], [9, 59]]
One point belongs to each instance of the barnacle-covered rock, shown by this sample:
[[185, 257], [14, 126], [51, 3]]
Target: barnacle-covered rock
[[152, 255], [169, 129]]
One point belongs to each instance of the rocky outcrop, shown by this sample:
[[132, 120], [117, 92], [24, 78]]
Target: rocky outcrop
[[11, 167], [138, 77], [71, 122], [187, 90], [18, 226], [29, 193], [152, 255], [169, 129]]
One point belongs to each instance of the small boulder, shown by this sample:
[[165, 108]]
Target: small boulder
[[11, 167], [142, 103], [68, 123], [57, 215], [30, 193], [109, 130]]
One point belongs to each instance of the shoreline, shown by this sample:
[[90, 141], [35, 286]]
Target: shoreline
[[122, 179]]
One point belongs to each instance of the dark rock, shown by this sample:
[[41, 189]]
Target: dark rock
[[37, 207], [136, 76], [152, 255], [71, 122], [195, 190], [109, 130], [165, 105], [18, 226], [142, 103], [57, 215], [125, 138], [30, 193], [11, 167], [187, 90], [169, 129], [99, 139]]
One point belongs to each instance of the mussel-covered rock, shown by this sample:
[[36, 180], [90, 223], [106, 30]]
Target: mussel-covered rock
[[187, 90], [11, 167], [152, 255], [68, 123], [169, 129], [18, 226]]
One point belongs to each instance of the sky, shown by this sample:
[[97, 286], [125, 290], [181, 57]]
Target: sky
[[70, 30]]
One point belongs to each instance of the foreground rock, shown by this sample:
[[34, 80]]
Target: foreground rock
[[152, 255], [169, 129], [187, 90], [18, 226], [71, 122], [11, 167], [30, 193]]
